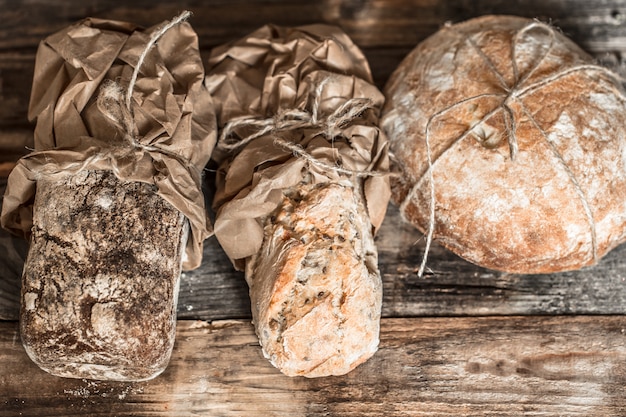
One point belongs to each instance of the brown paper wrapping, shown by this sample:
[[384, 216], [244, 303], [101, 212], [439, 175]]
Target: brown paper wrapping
[[278, 70], [172, 111]]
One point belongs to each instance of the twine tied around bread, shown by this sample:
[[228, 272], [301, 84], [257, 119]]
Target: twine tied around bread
[[118, 144], [509, 94], [118, 108], [286, 120]]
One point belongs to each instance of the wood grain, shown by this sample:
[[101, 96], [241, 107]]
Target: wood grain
[[385, 29], [460, 341], [430, 366]]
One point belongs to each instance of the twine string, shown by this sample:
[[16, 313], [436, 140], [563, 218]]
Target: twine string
[[118, 109], [287, 120], [153, 39], [509, 94], [573, 180], [109, 103], [540, 59]]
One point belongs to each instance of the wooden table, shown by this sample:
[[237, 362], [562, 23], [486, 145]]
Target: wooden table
[[461, 341]]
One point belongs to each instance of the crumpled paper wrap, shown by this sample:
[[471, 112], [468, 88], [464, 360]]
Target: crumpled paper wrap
[[285, 75], [172, 111]]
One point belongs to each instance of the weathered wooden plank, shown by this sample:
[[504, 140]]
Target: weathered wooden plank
[[11, 263], [370, 22], [385, 29], [510, 366], [453, 287]]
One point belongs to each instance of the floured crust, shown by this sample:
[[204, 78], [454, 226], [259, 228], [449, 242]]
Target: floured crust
[[560, 203], [295, 203], [315, 287], [100, 283]]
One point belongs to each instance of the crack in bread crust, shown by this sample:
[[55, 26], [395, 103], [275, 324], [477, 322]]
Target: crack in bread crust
[[315, 288], [547, 196]]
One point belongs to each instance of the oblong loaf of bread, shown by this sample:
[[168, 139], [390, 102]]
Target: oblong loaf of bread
[[111, 197], [315, 287], [526, 138], [301, 188]]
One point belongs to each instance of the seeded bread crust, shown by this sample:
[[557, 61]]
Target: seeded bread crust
[[315, 287]]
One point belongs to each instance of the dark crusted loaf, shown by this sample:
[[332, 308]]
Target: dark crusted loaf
[[100, 283]]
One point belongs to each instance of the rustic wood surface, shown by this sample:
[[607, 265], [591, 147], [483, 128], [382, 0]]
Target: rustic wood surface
[[460, 341], [475, 366]]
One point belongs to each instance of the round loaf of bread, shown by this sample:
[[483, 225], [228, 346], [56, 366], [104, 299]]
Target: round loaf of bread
[[516, 138]]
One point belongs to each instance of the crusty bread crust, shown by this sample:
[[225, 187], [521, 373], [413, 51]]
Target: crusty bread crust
[[301, 186], [481, 88], [315, 287], [100, 283]]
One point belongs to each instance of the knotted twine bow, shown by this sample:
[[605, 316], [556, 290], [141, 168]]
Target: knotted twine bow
[[323, 148], [510, 93], [293, 119], [118, 110]]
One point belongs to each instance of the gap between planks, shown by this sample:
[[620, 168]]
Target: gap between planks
[[506, 366]]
